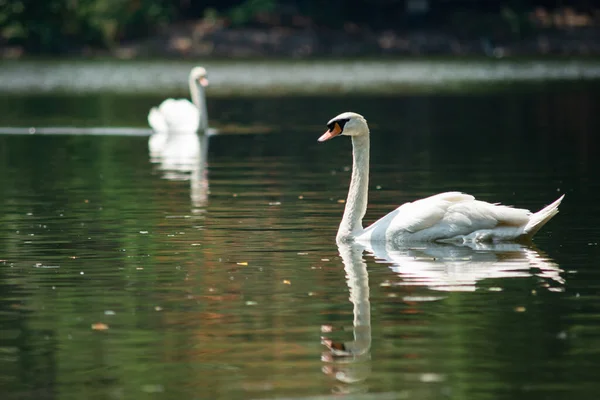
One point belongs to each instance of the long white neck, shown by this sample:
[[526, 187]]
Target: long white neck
[[199, 100], [358, 193]]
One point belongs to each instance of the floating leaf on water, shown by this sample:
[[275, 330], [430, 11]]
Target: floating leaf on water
[[286, 282], [99, 326], [244, 263], [341, 201]]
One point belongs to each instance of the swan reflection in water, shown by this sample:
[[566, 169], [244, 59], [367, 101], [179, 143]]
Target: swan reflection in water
[[185, 158], [443, 267], [448, 267], [349, 362]]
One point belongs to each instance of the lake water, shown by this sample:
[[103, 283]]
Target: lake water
[[120, 280]]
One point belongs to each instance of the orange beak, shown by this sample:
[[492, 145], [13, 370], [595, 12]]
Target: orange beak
[[330, 134], [203, 81]]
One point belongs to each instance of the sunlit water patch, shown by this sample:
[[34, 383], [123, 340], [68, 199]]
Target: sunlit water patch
[[272, 77]]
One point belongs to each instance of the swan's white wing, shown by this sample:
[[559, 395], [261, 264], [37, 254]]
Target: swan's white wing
[[446, 216], [180, 115], [157, 120]]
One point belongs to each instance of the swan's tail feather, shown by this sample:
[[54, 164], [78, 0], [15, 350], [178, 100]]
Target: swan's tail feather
[[541, 217]]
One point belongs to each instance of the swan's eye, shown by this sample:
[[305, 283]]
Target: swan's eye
[[340, 122]]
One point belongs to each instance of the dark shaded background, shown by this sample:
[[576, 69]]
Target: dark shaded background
[[73, 26]]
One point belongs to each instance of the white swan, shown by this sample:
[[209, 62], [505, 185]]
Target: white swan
[[179, 115], [445, 217]]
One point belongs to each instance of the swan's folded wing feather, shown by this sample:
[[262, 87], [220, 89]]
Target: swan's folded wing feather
[[448, 219], [418, 215], [157, 120], [447, 215], [180, 115], [427, 212]]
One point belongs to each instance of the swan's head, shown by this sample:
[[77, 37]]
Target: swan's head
[[348, 123], [199, 74]]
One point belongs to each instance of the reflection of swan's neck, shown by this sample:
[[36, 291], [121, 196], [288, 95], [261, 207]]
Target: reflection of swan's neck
[[198, 177], [358, 283], [358, 193], [199, 100]]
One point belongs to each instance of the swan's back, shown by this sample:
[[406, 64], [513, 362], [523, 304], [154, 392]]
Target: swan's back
[[455, 216], [180, 115]]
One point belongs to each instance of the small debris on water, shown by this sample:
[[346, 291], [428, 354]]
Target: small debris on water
[[243, 263], [99, 326], [158, 308], [109, 312], [495, 289], [275, 203], [341, 201], [153, 388], [324, 259], [431, 377], [251, 303], [287, 282], [520, 309]]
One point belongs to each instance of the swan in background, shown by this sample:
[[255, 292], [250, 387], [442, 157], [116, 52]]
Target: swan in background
[[458, 267], [445, 217], [179, 115]]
